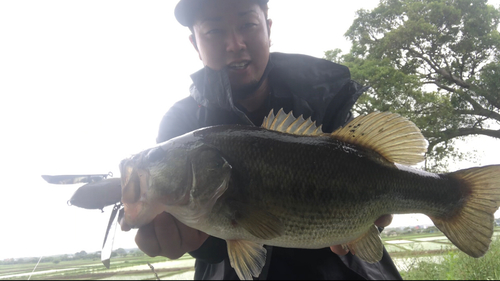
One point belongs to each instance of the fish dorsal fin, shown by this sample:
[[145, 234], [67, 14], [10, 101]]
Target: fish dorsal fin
[[287, 123], [395, 138]]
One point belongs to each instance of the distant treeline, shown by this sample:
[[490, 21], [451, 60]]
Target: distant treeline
[[396, 231], [82, 255]]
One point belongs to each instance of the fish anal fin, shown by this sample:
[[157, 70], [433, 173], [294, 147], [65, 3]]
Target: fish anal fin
[[257, 222], [246, 257], [368, 247], [471, 228], [287, 123], [393, 137]]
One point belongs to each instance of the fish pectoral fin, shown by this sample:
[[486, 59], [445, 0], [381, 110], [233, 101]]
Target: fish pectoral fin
[[210, 175], [368, 247], [246, 257], [392, 136], [257, 222]]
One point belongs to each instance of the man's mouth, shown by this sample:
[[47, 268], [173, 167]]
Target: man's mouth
[[238, 65]]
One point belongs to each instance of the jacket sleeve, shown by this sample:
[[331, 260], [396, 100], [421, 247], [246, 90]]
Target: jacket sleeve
[[179, 119], [339, 110]]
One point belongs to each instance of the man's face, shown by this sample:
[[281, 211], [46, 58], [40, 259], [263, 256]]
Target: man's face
[[233, 34]]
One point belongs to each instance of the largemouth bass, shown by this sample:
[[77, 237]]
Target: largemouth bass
[[287, 184]]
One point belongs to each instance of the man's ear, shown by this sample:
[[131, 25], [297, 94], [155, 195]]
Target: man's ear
[[269, 25], [192, 39]]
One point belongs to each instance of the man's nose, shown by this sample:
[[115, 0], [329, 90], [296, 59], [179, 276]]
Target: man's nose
[[235, 42]]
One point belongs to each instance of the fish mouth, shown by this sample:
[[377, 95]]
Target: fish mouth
[[131, 214], [137, 209], [139, 214]]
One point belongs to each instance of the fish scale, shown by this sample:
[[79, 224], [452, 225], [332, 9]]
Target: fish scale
[[308, 185]]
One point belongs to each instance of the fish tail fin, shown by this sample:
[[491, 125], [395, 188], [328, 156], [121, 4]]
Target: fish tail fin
[[471, 228]]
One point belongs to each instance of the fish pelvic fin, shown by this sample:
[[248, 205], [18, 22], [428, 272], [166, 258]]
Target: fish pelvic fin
[[368, 247], [392, 136], [287, 123], [471, 228], [246, 257]]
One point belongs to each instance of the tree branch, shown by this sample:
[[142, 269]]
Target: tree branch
[[484, 113], [493, 99], [444, 87], [475, 104], [419, 55], [452, 78]]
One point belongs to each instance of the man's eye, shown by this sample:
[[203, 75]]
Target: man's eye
[[248, 25], [214, 31]]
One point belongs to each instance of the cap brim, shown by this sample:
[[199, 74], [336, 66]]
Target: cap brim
[[186, 9]]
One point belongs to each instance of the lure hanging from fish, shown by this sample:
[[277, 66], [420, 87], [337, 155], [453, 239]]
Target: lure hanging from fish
[[72, 179], [98, 193]]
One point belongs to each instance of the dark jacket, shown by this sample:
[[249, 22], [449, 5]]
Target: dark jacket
[[308, 86]]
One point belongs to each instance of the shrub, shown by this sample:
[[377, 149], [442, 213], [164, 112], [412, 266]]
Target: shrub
[[456, 265]]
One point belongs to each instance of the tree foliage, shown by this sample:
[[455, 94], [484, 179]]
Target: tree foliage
[[433, 61], [120, 251]]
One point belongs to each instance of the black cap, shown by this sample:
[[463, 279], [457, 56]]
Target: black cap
[[186, 9]]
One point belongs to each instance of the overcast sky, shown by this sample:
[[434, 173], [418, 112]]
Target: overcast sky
[[84, 84]]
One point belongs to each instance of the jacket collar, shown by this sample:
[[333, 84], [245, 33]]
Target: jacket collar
[[309, 81]]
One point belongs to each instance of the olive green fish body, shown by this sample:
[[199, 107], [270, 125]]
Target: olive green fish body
[[324, 191], [288, 184]]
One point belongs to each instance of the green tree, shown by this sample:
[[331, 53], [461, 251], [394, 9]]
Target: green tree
[[436, 62], [121, 252], [81, 255]]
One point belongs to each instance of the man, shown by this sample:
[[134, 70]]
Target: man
[[240, 84]]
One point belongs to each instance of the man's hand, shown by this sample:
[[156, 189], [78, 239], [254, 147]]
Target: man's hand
[[166, 236], [383, 221]]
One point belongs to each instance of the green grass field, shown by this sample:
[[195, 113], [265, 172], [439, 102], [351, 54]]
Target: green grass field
[[121, 268], [433, 257], [417, 256]]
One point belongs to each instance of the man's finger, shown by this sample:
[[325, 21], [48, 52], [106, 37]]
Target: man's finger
[[384, 221], [146, 240], [339, 250]]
